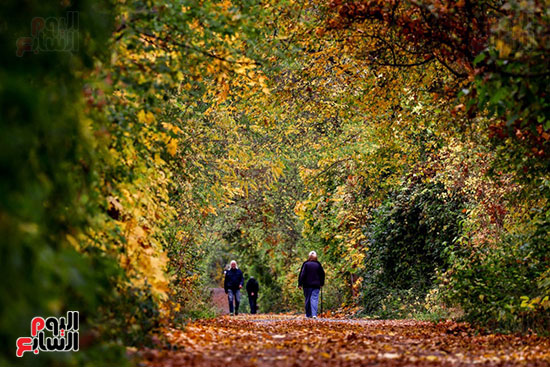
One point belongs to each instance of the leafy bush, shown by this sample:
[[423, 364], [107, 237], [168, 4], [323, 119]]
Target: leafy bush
[[408, 238], [50, 202], [503, 286]]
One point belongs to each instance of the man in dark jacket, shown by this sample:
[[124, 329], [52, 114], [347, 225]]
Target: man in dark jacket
[[234, 281], [311, 278], [252, 288]]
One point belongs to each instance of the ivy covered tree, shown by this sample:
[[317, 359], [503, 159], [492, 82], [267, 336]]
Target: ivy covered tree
[[410, 238]]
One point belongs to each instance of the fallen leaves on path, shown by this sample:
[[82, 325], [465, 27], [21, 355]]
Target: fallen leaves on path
[[255, 340]]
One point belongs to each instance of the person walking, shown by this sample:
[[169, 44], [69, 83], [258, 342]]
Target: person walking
[[311, 279], [252, 288], [234, 281]]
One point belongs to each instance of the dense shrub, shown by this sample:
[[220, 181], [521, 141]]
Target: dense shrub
[[505, 287], [408, 238], [50, 203]]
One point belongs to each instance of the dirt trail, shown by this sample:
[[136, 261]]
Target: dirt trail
[[264, 340], [219, 299]]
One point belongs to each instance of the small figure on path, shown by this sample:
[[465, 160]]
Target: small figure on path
[[233, 283], [311, 278], [252, 288]]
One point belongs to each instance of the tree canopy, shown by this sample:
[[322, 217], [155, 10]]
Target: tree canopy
[[407, 142]]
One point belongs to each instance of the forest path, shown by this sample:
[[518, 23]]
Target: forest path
[[219, 300], [284, 340]]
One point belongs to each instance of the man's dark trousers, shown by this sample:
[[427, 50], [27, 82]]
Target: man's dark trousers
[[252, 300]]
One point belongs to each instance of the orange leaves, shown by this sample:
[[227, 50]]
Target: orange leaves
[[224, 92], [137, 207], [172, 147], [285, 340]]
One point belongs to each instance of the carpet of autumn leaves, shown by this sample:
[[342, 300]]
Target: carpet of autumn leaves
[[284, 340]]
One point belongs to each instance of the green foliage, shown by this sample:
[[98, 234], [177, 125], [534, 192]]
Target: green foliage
[[496, 285], [48, 198], [398, 304], [513, 84], [227, 130], [197, 306], [408, 238]]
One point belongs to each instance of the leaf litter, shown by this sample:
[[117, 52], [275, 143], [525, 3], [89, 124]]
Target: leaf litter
[[286, 340]]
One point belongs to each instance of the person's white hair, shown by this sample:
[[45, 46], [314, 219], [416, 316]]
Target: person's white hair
[[313, 253], [233, 262]]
